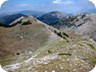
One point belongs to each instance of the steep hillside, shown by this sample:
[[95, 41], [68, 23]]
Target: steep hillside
[[24, 34], [83, 24], [52, 17], [29, 45]]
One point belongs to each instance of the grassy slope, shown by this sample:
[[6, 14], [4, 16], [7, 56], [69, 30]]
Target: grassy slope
[[48, 51], [23, 38], [77, 55]]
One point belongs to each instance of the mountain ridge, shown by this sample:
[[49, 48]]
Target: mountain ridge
[[83, 24], [31, 45]]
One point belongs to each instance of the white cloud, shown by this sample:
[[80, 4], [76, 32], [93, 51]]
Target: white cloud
[[23, 5], [68, 2], [62, 2], [57, 1]]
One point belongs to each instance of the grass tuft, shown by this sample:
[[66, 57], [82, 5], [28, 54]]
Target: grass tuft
[[91, 46], [65, 54]]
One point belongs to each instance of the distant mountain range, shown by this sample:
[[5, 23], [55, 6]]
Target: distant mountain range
[[7, 18], [49, 18], [52, 17], [32, 13], [88, 10], [25, 12], [10, 18], [83, 24]]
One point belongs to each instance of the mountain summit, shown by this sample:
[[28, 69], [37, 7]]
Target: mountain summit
[[52, 17]]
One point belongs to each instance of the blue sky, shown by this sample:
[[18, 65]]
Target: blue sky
[[67, 6]]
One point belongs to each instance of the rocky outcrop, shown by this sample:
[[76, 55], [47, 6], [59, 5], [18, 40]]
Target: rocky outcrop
[[83, 24]]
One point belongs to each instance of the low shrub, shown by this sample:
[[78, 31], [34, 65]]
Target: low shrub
[[65, 54], [26, 23]]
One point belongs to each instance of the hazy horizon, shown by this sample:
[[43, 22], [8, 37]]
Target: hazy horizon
[[66, 6]]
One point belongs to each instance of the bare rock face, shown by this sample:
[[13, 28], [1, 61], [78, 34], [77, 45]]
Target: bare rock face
[[83, 24], [29, 45]]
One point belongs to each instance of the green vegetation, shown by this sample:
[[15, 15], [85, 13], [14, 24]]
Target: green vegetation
[[65, 34], [94, 60], [61, 34], [91, 46], [26, 23], [65, 54], [19, 22], [49, 51]]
